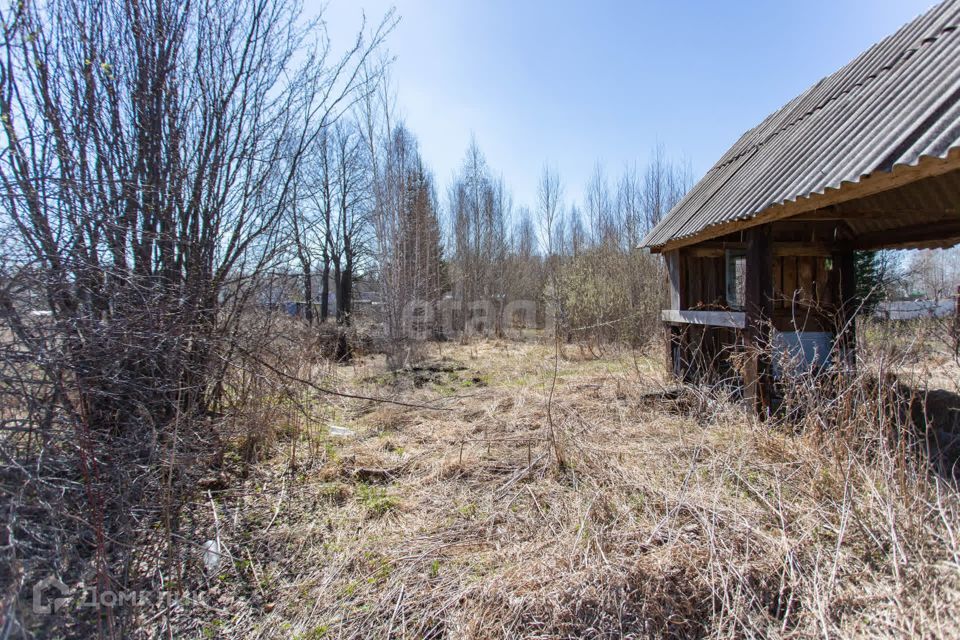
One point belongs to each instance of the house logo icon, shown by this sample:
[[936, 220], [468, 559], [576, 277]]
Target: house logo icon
[[50, 595]]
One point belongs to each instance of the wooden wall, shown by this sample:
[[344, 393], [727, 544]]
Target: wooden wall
[[800, 282], [804, 296], [803, 288], [698, 353], [705, 282]]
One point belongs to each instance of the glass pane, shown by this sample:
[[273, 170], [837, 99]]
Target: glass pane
[[736, 279]]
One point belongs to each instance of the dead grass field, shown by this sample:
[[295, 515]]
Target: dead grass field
[[661, 519]]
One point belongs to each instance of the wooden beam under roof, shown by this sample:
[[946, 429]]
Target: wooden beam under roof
[[945, 234], [869, 185], [843, 214], [719, 249]]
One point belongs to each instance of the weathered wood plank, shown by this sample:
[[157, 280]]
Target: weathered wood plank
[[719, 280], [674, 278], [707, 252], [846, 297], [778, 299], [801, 249], [821, 283], [730, 319], [718, 250], [945, 233], [694, 282], [805, 269], [789, 281]]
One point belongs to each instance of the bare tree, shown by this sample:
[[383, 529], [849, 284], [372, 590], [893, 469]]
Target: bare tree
[[549, 213], [578, 234], [347, 238], [524, 274], [599, 207], [664, 184], [405, 223], [480, 207], [933, 272], [149, 156], [629, 207]]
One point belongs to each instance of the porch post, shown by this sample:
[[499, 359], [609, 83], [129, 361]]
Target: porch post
[[846, 279], [758, 383], [672, 333]]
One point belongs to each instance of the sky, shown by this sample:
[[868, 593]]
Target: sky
[[573, 83]]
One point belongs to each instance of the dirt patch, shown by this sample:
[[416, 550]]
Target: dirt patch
[[445, 375]]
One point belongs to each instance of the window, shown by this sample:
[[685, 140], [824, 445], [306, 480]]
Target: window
[[736, 279]]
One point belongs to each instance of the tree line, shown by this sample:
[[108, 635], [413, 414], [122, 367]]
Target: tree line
[[366, 208]]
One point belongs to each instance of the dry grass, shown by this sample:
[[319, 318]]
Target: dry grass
[[666, 518]]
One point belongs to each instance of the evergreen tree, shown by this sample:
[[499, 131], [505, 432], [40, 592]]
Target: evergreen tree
[[421, 252], [874, 271]]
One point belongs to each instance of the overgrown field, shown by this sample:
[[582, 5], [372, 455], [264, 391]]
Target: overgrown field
[[537, 494]]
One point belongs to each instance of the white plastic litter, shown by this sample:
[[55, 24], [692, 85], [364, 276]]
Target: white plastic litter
[[211, 556], [342, 432]]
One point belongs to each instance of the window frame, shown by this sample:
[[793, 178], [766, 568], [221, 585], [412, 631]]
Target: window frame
[[731, 258]]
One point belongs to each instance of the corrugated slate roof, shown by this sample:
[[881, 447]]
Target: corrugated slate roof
[[895, 103]]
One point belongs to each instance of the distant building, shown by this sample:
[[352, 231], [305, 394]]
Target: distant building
[[911, 309]]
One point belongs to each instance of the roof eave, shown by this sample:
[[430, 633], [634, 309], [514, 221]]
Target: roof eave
[[867, 185]]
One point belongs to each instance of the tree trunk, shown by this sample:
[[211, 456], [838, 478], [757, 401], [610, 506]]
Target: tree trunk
[[345, 294], [343, 282], [325, 292], [308, 294]]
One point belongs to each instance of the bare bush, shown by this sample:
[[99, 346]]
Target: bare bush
[[149, 153], [611, 295]]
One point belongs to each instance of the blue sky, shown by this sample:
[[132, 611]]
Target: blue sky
[[573, 83]]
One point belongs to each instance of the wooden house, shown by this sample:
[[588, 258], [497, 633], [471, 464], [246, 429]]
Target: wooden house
[[761, 251]]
